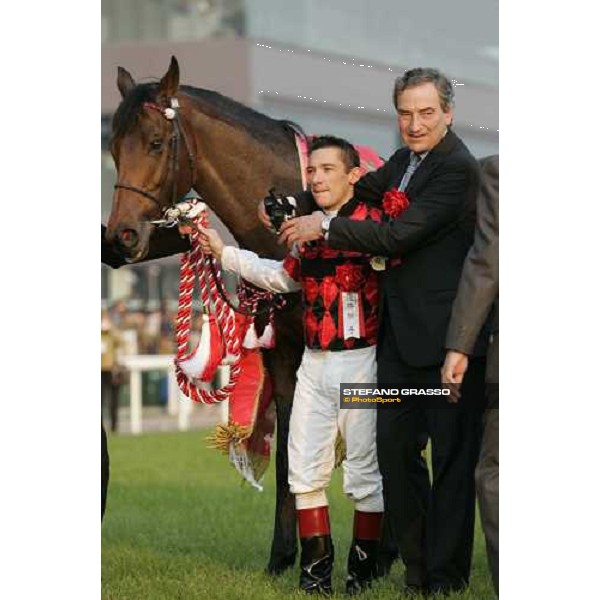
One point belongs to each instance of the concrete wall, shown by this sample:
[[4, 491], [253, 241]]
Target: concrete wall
[[218, 64], [458, 37], [334, 94], [280, 80]]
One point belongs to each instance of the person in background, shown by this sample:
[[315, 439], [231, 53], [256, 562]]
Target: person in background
[[477, 297], [111, 374]]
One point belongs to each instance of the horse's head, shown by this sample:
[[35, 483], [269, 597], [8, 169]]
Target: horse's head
[[147, 146]]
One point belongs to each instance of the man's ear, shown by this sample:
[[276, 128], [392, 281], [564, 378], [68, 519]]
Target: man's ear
[[355, 175], [448, 117]]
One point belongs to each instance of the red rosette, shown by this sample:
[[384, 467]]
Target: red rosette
[[395, 203], [349, 278]]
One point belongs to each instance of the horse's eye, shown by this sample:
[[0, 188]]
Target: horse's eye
[[156, 145]]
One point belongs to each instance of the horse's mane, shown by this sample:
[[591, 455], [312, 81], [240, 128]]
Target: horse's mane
[[272, 132]]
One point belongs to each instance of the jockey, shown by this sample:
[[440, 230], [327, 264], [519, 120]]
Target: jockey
[[340, 300]]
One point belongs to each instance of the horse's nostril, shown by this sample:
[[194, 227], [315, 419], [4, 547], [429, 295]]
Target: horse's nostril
[[128, 238]]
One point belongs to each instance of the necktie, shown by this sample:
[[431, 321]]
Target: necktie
[[378, 262], [413, 163]]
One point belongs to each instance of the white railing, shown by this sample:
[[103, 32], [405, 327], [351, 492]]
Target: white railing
[[177, 403]]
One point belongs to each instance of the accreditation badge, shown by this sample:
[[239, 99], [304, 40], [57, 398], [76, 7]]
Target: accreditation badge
[[351, 315]]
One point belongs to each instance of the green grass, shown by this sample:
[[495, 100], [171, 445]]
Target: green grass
[[179, 525]]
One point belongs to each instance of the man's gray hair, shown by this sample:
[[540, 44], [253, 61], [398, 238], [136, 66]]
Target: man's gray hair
[[420, 75]]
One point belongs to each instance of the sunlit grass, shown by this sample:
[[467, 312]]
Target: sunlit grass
[[179, 525]]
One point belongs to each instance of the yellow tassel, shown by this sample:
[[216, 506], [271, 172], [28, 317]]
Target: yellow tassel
[[225, 434]]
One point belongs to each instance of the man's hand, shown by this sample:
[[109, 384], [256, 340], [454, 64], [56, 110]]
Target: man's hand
[[263, 217], [302, 229], [211, 242], [453, 372]]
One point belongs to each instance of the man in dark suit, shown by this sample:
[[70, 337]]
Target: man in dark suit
[[426, 245], [477, 296]]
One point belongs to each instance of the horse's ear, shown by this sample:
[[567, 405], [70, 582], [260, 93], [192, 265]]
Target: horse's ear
[[125, 81], [169, 84]]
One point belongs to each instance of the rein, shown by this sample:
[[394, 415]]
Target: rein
[[197, 265], [191, 213], [274, 300], [172, 115]]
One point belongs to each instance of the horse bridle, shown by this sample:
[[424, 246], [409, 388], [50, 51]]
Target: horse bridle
[[172, 115]]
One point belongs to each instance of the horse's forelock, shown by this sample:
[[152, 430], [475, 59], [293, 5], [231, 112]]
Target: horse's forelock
[[127, 112]]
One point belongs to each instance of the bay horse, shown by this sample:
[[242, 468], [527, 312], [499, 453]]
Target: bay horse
[[231, 155]]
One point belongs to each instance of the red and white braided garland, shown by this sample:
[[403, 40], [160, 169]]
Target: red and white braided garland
[[195, 263]]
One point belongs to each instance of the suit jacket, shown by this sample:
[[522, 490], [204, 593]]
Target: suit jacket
[[432, 237], [479, 284]]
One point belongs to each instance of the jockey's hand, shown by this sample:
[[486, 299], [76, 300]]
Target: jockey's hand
[[263, 217], [302, 229], [453, 372], [211, 242]]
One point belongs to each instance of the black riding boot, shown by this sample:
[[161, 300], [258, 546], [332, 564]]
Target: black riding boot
[[316, 564], [316, 559], [364, 551], [362, 565]]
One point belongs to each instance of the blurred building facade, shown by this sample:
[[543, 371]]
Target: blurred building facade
[[329, 65]]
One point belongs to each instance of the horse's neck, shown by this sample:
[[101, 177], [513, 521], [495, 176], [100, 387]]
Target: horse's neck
[[234, 171]]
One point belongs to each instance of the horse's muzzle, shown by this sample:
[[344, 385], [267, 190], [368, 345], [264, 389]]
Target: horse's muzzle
[[128, 238], [133, 242]]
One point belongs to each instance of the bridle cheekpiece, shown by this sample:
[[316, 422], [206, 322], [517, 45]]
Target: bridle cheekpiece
[[171, 113]]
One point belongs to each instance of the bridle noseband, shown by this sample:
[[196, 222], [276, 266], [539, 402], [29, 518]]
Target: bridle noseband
[[172, 115]]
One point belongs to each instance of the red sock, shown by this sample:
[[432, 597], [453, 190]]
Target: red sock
[[367, 525], [313, 521]]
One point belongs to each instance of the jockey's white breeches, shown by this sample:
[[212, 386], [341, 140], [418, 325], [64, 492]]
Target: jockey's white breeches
[[315, 420]]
